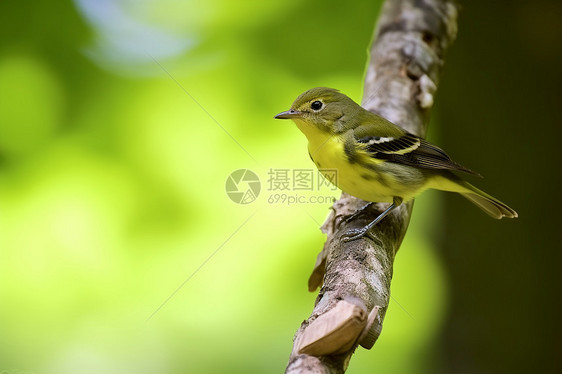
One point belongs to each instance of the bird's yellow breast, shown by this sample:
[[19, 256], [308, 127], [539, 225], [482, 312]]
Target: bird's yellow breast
[[358, 176]]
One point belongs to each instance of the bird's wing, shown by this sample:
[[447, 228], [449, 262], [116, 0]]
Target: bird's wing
[[379, 135], [404, 148], [401, 144]]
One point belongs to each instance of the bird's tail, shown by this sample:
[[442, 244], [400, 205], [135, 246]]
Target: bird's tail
[[489, 204]]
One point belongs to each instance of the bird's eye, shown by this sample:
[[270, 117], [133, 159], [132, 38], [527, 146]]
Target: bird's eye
[[317, 105]]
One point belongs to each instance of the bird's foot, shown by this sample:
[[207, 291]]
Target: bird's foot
[[354, 234], [360, 233]]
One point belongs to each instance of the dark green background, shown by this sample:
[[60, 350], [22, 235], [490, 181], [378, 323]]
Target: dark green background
[[112, 188]]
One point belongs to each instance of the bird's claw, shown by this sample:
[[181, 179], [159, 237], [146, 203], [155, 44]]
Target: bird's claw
[[353, 234]]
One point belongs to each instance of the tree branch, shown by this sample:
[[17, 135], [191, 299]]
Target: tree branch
[[406, 56]]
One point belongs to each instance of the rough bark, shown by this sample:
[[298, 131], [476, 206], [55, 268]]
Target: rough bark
[[406, 56]]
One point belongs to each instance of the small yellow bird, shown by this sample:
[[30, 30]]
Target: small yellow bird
[[376, 160]]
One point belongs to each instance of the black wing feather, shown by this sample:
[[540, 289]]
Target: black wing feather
[[411, 150], [404, 143]]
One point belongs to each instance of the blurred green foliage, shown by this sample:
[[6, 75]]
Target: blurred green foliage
[[120, 122]]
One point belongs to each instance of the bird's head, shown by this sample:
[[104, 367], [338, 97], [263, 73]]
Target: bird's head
[[324, 108]]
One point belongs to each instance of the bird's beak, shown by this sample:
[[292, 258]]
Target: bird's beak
[[289, 114]]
